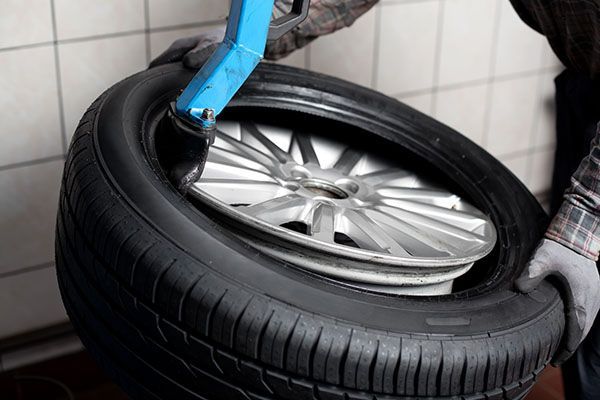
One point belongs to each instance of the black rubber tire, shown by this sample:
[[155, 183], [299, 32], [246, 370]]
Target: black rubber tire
[[174, 305]]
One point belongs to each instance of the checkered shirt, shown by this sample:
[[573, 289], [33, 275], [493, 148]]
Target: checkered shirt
[[577, 223], [325, 16], [571, 26]]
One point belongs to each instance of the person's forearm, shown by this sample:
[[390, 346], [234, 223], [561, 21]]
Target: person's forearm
[[577, 223], [326, 16]]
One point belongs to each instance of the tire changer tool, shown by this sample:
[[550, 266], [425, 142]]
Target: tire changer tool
[[194, 114]]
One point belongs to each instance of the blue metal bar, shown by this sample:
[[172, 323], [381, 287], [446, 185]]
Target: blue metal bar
[[232, 63]]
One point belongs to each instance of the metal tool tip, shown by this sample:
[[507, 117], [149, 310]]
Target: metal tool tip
[[208, 114]]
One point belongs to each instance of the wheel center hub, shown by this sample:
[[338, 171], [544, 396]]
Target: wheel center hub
[[323, 188]]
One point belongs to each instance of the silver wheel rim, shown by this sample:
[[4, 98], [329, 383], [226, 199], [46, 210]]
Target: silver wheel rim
[[348, 203]]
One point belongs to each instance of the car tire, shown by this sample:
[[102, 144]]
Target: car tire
[[174, 304]]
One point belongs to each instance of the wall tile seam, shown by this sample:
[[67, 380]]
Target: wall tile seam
[[487, 123], [531, 151], [475, 83], [147, 39], [537, 118], [441, 18], [29, 163], [26, 269], [91, 38], [58, 79]]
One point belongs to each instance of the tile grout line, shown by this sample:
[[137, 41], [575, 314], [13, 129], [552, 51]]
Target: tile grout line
[[478, 82], [376, 47], [536, 120], [61, 108], [437, 60], [101, 36], [30, 163], [491, 79], [113, 35], [25, 270], [26, 46], [526, 152], [147, 31]]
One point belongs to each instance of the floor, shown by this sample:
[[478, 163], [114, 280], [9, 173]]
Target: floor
[[549, 387], [77, 377]]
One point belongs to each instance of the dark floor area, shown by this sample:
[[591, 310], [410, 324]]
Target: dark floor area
[[73, 377], [77, 377]]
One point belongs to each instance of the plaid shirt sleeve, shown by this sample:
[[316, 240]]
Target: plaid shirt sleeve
[[571, 26], [325, 16], [577, 223]]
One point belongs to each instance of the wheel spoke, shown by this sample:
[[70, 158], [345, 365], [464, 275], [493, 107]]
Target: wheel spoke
[[421, 243], [223, 156], [359, 227], [460, 219], [235, 192], [306, 148], [428, 196], [247, 151], [389, 177], [323, 223], [281, 210], [349, 158], [457, 240], [253, 130], [223, 170]]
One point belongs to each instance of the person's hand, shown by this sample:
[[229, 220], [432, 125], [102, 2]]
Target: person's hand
[[324, 17], [192, 51], [581, 284]]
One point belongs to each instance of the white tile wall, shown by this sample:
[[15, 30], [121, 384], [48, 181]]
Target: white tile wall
[[89, 68], [470, 63], [75, 19], [518, 165], [542, 163], [545, 133], [330, 54], [24, 22], [467, 40], [30, 113], [27, 215], [512, 116], [519, 47], [407, 46], [168, 12], [30, 300], [461, 108]]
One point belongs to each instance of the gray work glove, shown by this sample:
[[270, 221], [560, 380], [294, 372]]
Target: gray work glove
[[581, 284], [324, 17], [192, 51]]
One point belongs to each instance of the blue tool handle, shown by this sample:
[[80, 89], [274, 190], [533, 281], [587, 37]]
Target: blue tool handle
[[248, 29]]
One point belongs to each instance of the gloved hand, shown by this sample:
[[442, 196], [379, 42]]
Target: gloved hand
[[193, 51], [325, 16], [579, 276]]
